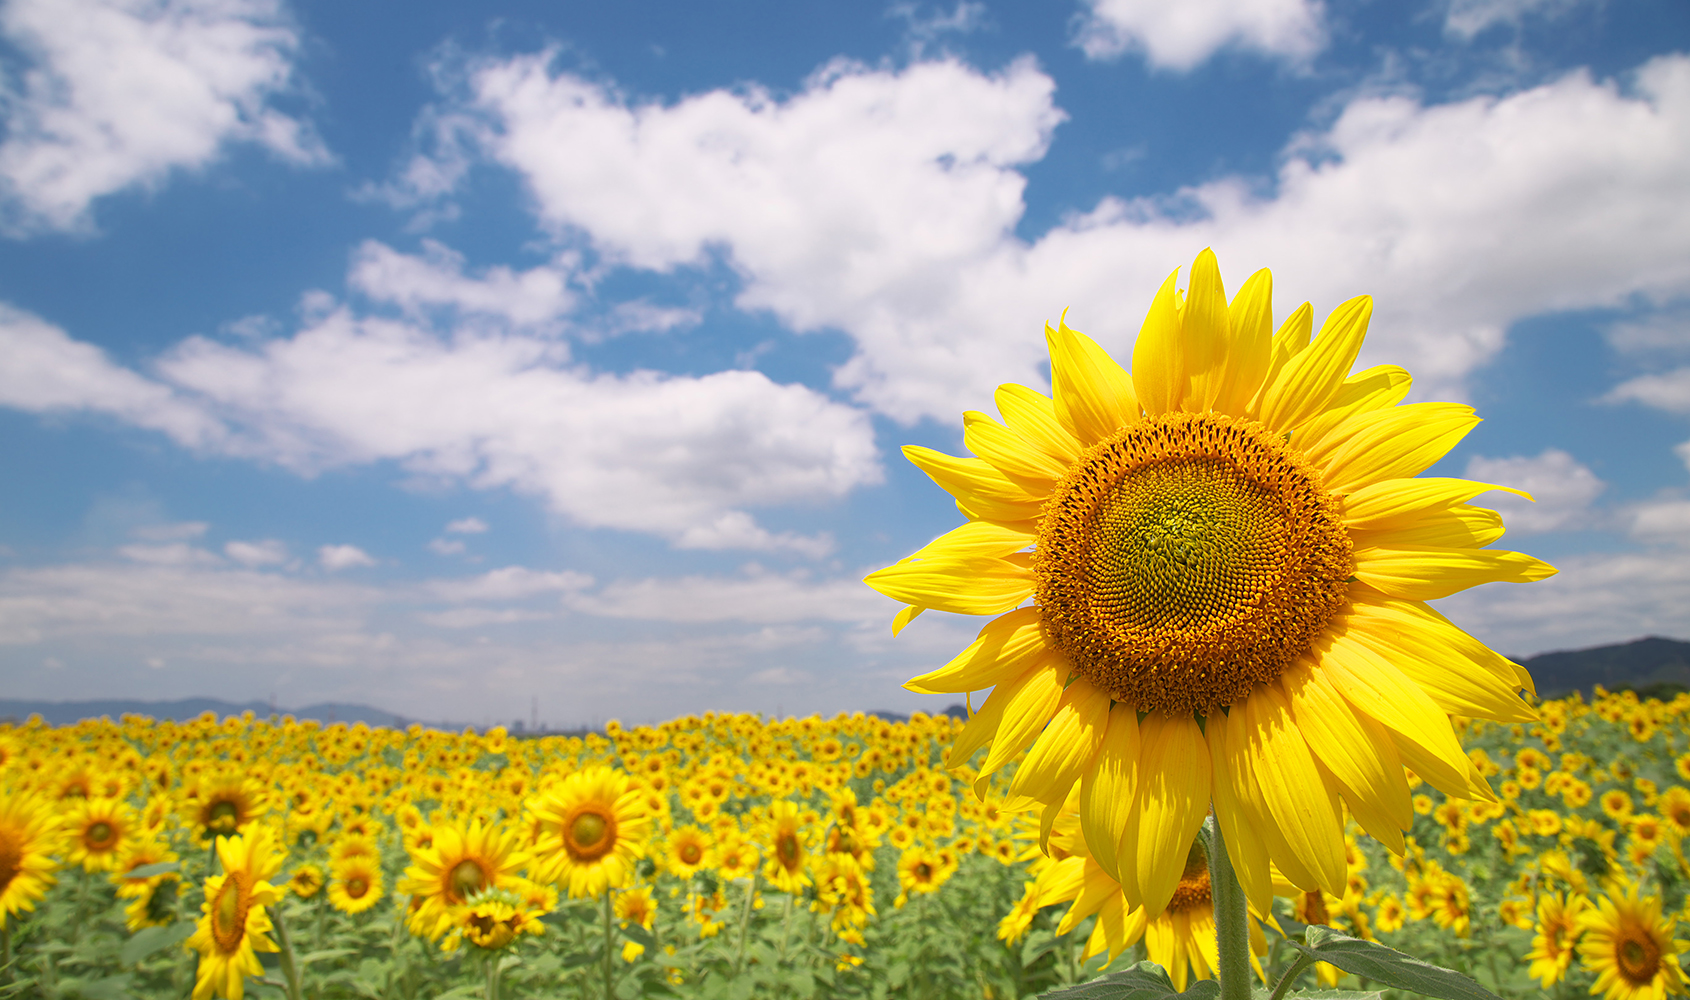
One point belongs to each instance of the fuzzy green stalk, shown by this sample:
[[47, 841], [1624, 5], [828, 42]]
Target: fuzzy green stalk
[[786, 927], [745, 920], [1232, 918], [6, 947], [290, 966], [609, 948], [493, 960]]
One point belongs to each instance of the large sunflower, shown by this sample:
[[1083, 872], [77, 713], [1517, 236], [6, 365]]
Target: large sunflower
[[594, 820], [28, 837], [236, 923], [1630, 947], [1228, 557], [459, 862]]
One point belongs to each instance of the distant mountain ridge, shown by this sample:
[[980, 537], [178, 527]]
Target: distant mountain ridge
[[1653, 665]]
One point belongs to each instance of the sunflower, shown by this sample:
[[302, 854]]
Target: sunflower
[[1230, 544], [152, 897], [492, 920], [689, 851], [1630, 947], [788, 859], [460, 860], [306, 881], [1558, 929], [223, 806], [28, 835], [595, 819], [99, 831], [235, 923], [355, 884]]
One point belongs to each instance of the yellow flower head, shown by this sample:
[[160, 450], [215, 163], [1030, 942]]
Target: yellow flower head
[[236, 923], [782, 833], [689, 851], [595, 822], [355, 883], [99, 830], [460, 861], [28, 837], [1630, 947], [1232, 533]]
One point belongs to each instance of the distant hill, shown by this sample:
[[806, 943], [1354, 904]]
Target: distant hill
[[1649, 666], [60, 713]]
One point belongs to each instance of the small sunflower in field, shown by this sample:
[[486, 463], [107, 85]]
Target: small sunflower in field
[[1558, 930], [635, 906], [493, 920], [782, 832], [689, 851], [1630, 947], [355, 884], [224, 805], [28, 839], [99, 829], [306, 880], [462, 860], [236, 922], [1231, 542], [152, 897], [597, 825]]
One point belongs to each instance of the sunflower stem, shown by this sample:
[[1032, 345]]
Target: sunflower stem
[[290, 968], [1288, 980], [609, 949], [492, 963], [745, 921], [1232, 920]]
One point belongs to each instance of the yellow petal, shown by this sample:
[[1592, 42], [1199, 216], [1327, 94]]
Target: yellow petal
[[1094, 397], [1250, 318], [1020, 460], [1158, 363], [1066, 747], [1205, 335], [1304, 808], [1108, 786], [1360, 757], [1288, 341], [1375, 688], [1454, 645], [983, 725], [977, 485], [1378, 388], [1034, 415], [1307, 383], [1395, 503], [1094, 892], [1173, 798], [1394, 443], [990, 539], [1455, 690], [1239, 826], [1006, 646], [1029, 710], [904, 617], [1462, 526], [1426, 574], [962, 586]]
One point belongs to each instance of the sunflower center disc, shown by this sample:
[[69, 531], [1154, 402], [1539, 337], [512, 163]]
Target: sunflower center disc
[[228, 914], [1639, 959], [467, 877], [99, 835], [587, 830], [11, 858], [1187, 559]]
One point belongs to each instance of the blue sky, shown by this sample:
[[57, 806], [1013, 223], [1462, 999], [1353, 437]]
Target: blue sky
[[462, 358]]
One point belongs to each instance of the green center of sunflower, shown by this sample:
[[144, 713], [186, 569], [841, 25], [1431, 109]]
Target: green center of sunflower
[[467, 877], [1639, 958], [99, 835], [587, 830], [223, 817], [1187, 559]]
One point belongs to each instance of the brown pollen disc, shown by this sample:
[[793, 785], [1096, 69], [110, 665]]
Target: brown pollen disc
[[1193, 888], [1187, 559]]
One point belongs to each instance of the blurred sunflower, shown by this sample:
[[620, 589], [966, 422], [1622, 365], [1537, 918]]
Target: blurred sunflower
[[305, 881], [152, 897], [783, 833], [355, 884], [461, 860], [1231, 543], [597, 823], [224, 805], [99, 829], [235, 923], [28, 837], [689, 851], [1558, 930], [1630, 947]]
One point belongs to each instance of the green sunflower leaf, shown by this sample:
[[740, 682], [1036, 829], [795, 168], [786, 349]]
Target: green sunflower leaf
[[1387, 966], [148, 871], [151, 940]]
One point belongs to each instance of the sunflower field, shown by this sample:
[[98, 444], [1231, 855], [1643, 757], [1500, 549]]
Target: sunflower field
[[728, 856]]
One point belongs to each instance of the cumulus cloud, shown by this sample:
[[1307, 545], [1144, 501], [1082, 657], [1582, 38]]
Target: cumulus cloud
[[338, 557], [883, 203], [679, 456], [1669, 391], [122, 92], [759, 597], [269, 552], [1564, 489], [510, 583], [466, 526], [1665, 521], [1179, 36], [436, 279], [1467, 18]]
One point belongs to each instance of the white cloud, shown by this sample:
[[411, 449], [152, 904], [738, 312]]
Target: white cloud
[[268, 552], [1663, 333], [1179, 36], [46, 371], [480, 617], [436, 279], [682, 457], [1563, 488], [172, 554], [759, 597], [1466, 18], [1665, 521], [510, 583], [446, 547], [122, 92], [338, 557], [467, 526], [884, 203], [1669, 391], [179, 532]]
